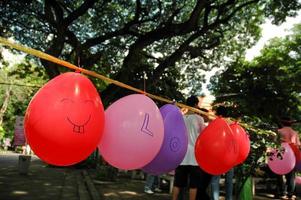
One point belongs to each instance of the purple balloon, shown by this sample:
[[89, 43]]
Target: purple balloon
[[174, 145], [164, 110]]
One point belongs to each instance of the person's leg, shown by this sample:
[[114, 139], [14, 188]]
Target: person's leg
[[205, 181], [149, 183], [183, 193], [280, 186], [192, 193], [215, 187], [156, 181], [156, 185], [175, 192], [194, 181], [290, 182], [229, 184], [180, 181]]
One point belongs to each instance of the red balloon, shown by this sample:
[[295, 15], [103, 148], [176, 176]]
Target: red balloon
[[296, 152], [65, 119], [216, 148], [243, 142]]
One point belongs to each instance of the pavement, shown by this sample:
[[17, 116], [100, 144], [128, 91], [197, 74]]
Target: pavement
[[44, 182]]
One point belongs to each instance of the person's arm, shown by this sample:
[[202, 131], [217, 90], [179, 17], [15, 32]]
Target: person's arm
[[281, 136], [297, 139], [201, 122]]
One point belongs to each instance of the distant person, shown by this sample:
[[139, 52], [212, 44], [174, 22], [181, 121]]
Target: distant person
[[152, 184], [221, 111], [7, 143], [205, 116], [202, 193], [188, 173], [286, 189]]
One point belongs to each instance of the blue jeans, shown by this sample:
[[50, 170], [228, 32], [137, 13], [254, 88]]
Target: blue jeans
[[287, 187], [228, 185], [151, 182]]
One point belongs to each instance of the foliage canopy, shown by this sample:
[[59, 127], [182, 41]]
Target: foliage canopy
[[269, 86], [170, 41]]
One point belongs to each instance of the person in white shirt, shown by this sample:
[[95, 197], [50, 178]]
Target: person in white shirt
[[189, 169]]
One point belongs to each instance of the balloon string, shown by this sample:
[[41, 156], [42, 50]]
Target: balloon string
[[144, 82], [58, 61], [53, 59], [78, 64]]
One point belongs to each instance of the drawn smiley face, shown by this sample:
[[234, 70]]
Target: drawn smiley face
[[78, 125]]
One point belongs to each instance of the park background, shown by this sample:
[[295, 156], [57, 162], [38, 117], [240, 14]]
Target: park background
[[166, 48]]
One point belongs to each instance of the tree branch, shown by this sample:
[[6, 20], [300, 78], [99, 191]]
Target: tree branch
[[169, 30], [152, 57], [225, 19], [197, 51], [48, 14], [137, 11], [59, 14], [175, 56], [79, 12], [195, 15], [206, 15]]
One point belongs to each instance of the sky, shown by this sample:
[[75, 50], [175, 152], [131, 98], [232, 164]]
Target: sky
[[12, 59], [270, 31]]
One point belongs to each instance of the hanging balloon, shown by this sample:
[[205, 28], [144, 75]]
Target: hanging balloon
[[174, 145], [164, 110], [243, 142], [297, 154], [216, 149], [296, 151], [282, 161], [64, 120], [298, 180], [133, 132]]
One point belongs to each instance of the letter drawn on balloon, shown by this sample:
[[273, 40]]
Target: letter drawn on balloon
[[144, 127], [175, 144]]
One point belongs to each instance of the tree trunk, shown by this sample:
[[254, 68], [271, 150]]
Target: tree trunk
[[5, 103]]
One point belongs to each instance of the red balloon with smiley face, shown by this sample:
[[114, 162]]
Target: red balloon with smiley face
[[65, 119]]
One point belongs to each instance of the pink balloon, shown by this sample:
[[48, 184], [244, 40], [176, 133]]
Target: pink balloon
[[282, 161], [298, 180], [133, 134]]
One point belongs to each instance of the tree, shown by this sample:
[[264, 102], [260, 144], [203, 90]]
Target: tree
[[269, 86], [261, 91], [18, 84], [123, 38]]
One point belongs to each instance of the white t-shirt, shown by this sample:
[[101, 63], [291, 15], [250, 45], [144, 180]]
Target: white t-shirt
[[194, 124]]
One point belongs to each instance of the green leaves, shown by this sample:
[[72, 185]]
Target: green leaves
[[262, 91], [267, 87], [18, 85], [121, 37]]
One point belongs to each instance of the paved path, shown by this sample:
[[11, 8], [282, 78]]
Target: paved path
[[42, 182], [126, 188]]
